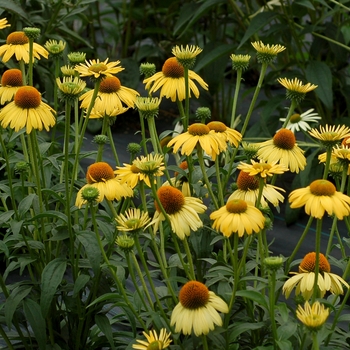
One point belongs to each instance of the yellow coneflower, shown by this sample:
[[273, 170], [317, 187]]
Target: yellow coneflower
[[55, 47], [240, 62], [304, 280], [198, 310], [101, 176], [141, 169], [266, 53], [171, 81], [70, 87], [27, 110], [186, 56], [330, 135], [262, 169], [296, 90], [110, 97], [97, 69], [17, 43], [199, 134], [230, 135], [11, 81], [148, 107], [248, 190], [182, 211], [154, 341], [313, 317], [132, 220], [238, 216], [282, 148], [319, 197]]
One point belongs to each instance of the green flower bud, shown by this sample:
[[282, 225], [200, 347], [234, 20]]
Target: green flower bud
[[90, 194], [147, 69], [273, 263], [32, 32]]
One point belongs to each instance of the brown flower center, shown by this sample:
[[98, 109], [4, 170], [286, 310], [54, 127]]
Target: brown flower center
[[309, 262], [295, 118], [198, 129], [99, 172], [217, 126], [134, 169], [17, 38], [98, 67], [284, 139], [12, 77], [236, 206], [247, 182], [172, 68], [322, 188], [110, 85], [27, 97], [171, 198], [194, 295]]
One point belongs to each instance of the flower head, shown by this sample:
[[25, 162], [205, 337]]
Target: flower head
[[17, 43], [55, 47], [267, 53], [3, 23], [230, 135], [186, 56], [313, 317], [248, 190], [198, 310], [69, 71], [76, 58], [147, 69], [240, 62], [171, 81], [199, 134], [132, 221], [181, 211], [330, 135], [148, 107], [262, 169], [237, 216], [301, 121], [70, 87], [11, 81], [282, 148], [111, 96], [304, 280], [27, 110], [141, 169], [296, 90], [125, 242], [154, 342], [97, 69], [101, 176], [319, 197]]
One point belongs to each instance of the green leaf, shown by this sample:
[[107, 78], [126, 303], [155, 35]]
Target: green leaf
[[89, 241], [6, 216], [210, 56], [285, 331], [80, 283], [107, 298], [253, 295], [51, 278], [11, 303], [25, 204], [103, 323], [11, 6], [201, 10], [36, 320], [319, 73], [259, 21], [185, 15], [240, 328]]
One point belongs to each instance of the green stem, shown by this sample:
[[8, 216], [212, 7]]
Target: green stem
[[30, 65], [219, 183], [205, 177], [189, 258], [187, 100], [328, 161], [272, 283], [235, 98], [315, 345], [111, 142], [105, 125], [317, 260], [290, 113], [205, 342], [82, 133], [297, 247]]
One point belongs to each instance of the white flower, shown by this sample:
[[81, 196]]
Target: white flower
[[298, 122]]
